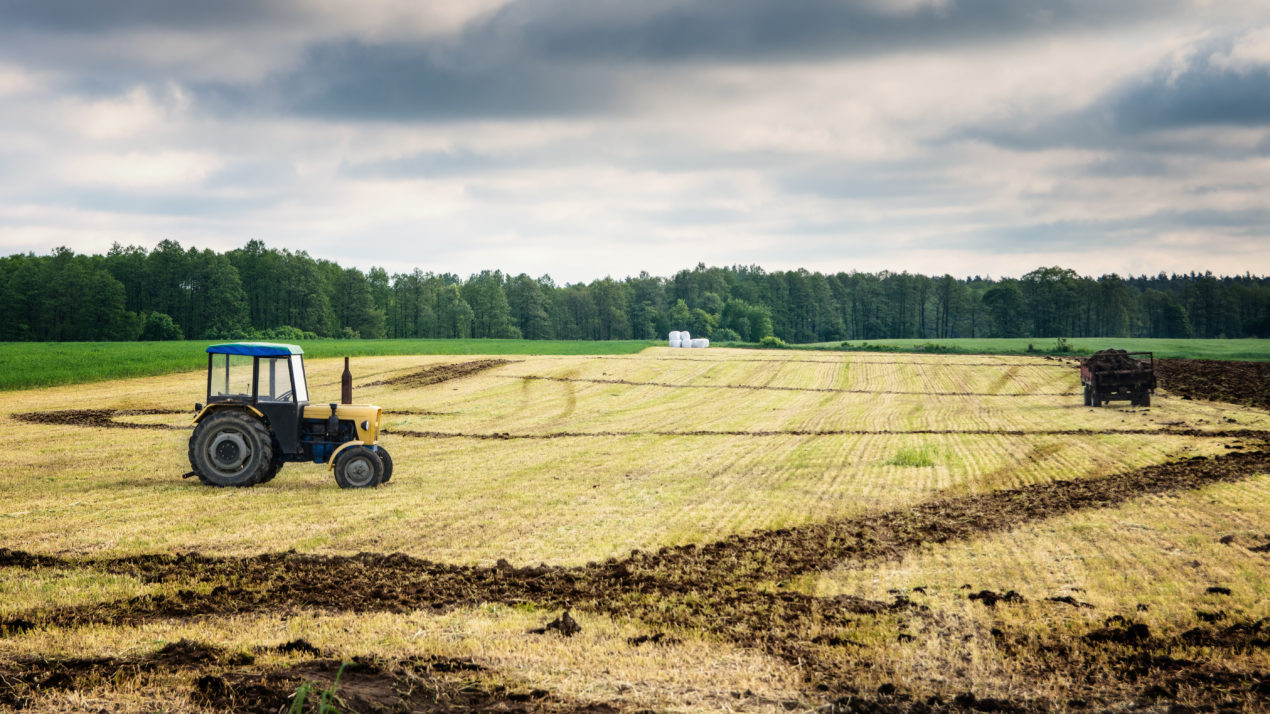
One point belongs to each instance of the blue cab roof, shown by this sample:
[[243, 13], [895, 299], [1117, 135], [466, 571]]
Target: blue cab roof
[[255, 349]]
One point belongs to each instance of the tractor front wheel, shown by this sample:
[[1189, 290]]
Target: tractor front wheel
[[230, 448], [384, 457], [358, 467]]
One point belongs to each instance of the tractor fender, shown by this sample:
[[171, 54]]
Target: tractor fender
[[223, 405], [330, 462]]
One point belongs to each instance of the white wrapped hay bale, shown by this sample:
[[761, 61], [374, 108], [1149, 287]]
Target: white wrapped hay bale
[[685, 339], [676, 343], [700, 343]]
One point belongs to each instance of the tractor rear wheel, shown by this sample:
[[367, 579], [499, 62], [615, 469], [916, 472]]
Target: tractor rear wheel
[[274, 467], [358, 467], [231, 448], [384, 457]]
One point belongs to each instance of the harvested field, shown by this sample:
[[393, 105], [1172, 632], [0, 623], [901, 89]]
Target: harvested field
[[787, 540], [795, 389]]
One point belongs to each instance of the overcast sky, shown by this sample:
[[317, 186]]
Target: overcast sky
[[585, 138]]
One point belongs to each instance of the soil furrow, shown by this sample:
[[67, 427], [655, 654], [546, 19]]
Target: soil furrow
[[840, 362], [99, 418], [759, 387], [439, 373]]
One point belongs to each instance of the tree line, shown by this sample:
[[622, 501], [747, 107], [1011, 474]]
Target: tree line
[[255, 291]]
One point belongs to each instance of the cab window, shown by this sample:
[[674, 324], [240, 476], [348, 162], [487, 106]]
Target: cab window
[[275, 380], [230, 377], [301, 386]]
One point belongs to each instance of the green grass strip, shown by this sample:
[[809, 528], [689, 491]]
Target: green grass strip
[[26, 365]]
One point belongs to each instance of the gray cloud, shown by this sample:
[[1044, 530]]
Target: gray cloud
[[89, 16], [398, 82], [530, 58], [1202, 93], [795, 29]]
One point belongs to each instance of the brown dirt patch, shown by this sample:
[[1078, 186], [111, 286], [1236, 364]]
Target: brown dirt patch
[[1218, 380], [439, 373], [230, 682], [100, 418], [20, 680], [433, 684]]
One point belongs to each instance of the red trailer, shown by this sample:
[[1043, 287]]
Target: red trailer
[[1116, 374]]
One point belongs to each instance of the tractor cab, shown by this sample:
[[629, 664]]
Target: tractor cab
[[252, 372], [266, 377], [258, 417]]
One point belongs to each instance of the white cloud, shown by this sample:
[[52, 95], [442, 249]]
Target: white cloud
[[1251, 51]]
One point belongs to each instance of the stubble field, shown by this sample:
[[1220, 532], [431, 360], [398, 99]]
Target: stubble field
[[731, 530]]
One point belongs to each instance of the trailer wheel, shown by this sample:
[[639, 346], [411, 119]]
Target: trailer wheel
[[358, 467]]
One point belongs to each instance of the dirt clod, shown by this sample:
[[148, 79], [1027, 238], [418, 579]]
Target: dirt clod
[[1069, 600], [1131, 633], [659, 638], [565, 625], [298, 645], [991, 598], [1217, 590]]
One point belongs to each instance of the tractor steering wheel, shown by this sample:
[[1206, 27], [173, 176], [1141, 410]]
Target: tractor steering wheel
[[285, 396]]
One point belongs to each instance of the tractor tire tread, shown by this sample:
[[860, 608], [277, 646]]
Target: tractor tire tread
[[248, 423]]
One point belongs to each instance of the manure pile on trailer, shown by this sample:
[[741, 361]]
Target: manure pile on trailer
[[738, 530]]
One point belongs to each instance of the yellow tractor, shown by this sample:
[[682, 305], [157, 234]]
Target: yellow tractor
[[258, 417]]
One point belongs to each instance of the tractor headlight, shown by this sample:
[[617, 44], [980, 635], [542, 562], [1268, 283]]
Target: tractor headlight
[[365, 425]]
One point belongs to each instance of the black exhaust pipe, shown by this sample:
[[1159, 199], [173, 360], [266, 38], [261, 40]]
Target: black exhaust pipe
[[346, 385]]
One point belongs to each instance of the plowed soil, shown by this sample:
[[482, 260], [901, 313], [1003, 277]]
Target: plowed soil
[[440, 373], [99, 418], [231, 682], [1246, 383]]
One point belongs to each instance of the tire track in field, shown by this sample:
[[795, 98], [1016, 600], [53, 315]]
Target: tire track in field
[[831, 390], [508, 436], [843, 361]]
